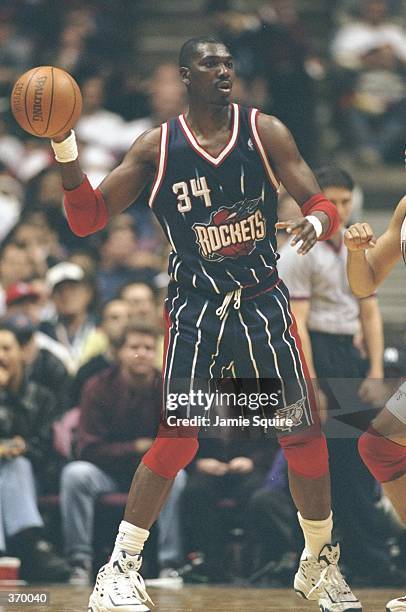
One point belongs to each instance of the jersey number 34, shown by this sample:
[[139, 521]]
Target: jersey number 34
[[198, 188]]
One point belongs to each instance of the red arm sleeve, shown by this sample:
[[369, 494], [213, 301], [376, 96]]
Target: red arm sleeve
[[320, 203], [85, 209]]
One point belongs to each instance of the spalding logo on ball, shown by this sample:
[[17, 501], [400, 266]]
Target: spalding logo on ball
[[46, 101]]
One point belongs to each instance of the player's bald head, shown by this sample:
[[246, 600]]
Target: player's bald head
[[191, 48]]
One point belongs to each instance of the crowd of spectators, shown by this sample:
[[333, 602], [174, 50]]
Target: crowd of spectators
[[74, 312]]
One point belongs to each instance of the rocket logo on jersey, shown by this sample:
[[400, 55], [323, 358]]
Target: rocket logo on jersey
[[232, 231]]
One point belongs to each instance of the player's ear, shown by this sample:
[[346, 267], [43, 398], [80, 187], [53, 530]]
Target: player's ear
[[185, 75]]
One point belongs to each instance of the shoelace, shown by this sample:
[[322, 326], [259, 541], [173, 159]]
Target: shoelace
[[229, 297], [332, 575], [134, 582]]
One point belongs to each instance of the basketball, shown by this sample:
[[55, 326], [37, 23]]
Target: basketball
[[46, 101]]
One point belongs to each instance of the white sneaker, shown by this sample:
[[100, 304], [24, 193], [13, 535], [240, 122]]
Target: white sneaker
[[320, 579], [396, 605], [119, 587]]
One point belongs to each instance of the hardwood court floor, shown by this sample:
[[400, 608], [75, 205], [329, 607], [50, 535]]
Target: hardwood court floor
[[202, 599]]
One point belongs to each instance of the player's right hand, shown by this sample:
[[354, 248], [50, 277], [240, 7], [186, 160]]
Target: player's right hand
[[359, 237]]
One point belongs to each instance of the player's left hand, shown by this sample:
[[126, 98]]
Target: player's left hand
[[304, 233]]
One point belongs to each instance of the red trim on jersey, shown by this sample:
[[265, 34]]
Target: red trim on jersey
[[162, 162], [201, 151], [251, 297], [253, 125]]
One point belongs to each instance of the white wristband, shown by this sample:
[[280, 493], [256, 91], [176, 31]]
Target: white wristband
[[315, 221], [67, 150]]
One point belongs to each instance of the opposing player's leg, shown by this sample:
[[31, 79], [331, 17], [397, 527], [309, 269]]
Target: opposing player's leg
[[383, 450], [188, 356], [274, 351]]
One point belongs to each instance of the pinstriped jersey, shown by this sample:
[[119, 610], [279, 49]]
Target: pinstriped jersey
[[218, 213]]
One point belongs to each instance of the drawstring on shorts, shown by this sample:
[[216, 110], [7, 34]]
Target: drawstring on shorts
[[229, 297]]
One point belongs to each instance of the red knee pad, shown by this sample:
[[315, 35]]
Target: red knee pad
[[167, 456], [385, 459], [306, 454]]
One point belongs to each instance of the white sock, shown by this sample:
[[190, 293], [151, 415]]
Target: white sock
[[129, 538], [316, 533]]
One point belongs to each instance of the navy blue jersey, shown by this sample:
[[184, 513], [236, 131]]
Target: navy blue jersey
[[218, 213]]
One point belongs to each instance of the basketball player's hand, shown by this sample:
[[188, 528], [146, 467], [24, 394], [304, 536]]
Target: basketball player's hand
[[303, 231], [359, 237], [374, 391], [241, 465], [212, 467]]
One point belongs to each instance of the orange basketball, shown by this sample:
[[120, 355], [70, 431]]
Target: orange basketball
[[46, 101]]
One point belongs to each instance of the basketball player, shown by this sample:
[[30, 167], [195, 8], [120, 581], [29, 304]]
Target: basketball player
[[212, 176], [383, 446]]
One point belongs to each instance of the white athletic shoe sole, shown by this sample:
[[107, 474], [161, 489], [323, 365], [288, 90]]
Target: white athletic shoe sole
[[396, 605], [94, 606]]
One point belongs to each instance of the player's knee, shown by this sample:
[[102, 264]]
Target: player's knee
[[167, 456], [385, 459], [307, 455]]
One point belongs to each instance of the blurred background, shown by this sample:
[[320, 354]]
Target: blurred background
[[334, 72]]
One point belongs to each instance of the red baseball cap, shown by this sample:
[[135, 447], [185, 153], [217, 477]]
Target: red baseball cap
[[19, 291]]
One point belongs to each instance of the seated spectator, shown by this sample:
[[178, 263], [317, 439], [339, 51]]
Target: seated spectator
[[25, 299], [34, 234], [223, 468], [28, 411], [41, 365], [87, 257], [373, 30], [143, 309], [73, 295], [140, 298], [120, 410], [376, 110], [114, 320], [15, 266], [122, 261], [44, 192]]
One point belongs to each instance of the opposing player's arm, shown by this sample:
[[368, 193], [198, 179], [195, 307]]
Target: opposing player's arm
[[367, 269], [372, 327], [301, 311], [88, 209], [300, 182]]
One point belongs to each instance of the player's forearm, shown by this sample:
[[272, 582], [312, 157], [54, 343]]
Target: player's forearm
[[71, 172], [374, 339], [320, 207], [360, 274], [85, 208], [72, 175]]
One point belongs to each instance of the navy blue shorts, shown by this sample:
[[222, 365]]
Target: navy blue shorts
[[254, 342]]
